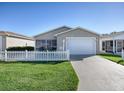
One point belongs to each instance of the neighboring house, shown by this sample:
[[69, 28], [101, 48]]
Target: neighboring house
[[112, 43], [77, 40], [10, 39]]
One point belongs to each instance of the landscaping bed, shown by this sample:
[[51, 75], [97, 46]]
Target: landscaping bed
[[37, 76], [114, 58]]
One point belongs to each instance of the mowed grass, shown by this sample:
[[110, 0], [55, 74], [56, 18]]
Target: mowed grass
[[50, 76], [114, 58]]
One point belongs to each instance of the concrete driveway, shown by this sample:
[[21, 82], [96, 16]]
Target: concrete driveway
[[98, 74]]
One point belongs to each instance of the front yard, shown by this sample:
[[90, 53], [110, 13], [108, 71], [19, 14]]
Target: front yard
[[37, 76], [114, 58]]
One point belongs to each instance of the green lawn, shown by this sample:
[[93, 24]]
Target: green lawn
[[114, 58], [37, 76]]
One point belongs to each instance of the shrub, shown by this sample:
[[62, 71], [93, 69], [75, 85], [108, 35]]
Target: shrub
[[45, 49], [28, 48]]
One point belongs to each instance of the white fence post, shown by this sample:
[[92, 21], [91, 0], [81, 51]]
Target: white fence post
[[47, 55], [122, 53], [5, 55], [26, 54]]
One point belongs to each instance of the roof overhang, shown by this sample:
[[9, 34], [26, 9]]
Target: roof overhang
[[15, 35]]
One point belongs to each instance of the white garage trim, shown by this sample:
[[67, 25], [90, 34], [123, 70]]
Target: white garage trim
[[81, 45]]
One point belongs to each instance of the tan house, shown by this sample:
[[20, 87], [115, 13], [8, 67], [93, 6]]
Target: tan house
[[77, 40], [10, 39]]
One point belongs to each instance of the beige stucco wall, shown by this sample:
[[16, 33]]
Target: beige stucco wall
[[76, 33], [50, 35], [12, 42]]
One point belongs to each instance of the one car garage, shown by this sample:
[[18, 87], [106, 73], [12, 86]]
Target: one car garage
[[78, 41], [81, 45]]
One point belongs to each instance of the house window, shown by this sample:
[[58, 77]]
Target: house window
[[111, 43], [119, 45], [54, 43], [109, 46], [46, 45], [51, 45], [38, 43], [43, 42], [103, 45]]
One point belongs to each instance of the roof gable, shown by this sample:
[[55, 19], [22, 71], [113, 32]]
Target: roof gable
[[55, 30], [76, 29]]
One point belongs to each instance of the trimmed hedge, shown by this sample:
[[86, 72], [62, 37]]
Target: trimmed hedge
[[28, 48]]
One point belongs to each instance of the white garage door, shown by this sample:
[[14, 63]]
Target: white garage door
[[81, 45]]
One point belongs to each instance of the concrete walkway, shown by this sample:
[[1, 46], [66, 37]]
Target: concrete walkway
[[96, 73]]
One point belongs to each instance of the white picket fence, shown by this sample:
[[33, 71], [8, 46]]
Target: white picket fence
[[34, 55]]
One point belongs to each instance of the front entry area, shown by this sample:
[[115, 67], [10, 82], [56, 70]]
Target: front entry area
[[81, 45], [113, 46]]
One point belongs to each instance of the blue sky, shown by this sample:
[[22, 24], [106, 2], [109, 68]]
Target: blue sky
[[34, 18]]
